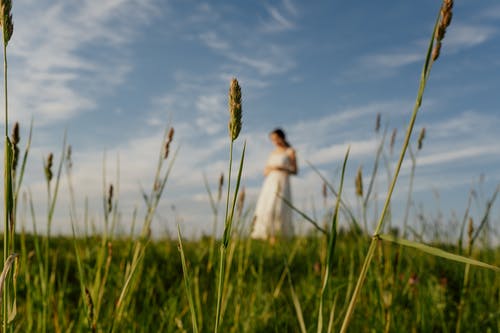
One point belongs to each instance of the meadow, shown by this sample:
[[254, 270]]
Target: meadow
[[408, 279]]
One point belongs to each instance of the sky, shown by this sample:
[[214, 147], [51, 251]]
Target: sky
[[115, 74]]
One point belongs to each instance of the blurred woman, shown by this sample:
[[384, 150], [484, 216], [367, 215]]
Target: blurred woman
[[273, 214]]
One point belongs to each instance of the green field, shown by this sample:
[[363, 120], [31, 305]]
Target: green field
[[405, 290], [333, 279]]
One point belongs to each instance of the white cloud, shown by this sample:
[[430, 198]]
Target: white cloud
[[460, 36], [392, 60], [280, 17], [50, 76], [460, 154], [278, 21], [212, 40]]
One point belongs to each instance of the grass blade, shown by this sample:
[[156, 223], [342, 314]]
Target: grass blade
[[187, 282], [438, 252], [296, 304], [332, 238]]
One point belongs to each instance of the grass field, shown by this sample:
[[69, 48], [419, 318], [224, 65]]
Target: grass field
[[332, 279], [405, 290]]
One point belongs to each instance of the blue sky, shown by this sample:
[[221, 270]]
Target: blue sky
[[116, 73]]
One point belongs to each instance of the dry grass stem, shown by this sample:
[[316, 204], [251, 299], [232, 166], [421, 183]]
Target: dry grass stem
[[6, 268]]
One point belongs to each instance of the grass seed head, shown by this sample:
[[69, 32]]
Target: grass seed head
[[15, 147], [48, 167], [377, 123], [445, 20], [393, 139], [359, 182], [6, 268], [15, 134], [241, 202], [234, 109], [170, 137], [69, 162], [421, 138], [110, 198], [221, 185], [6, 20], [436, 51], [470, 230], [90, 306]]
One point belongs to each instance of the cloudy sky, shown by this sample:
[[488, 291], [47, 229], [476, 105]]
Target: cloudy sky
[[115, 74]]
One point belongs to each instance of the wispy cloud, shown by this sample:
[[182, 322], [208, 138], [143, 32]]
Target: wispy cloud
[[491, 12], [248, 48], [212, 40], [392, 60], [277, 21], [462, 36], [51, 76], [461, 154]]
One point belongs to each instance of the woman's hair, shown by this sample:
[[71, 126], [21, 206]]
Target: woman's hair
[[281, 134]]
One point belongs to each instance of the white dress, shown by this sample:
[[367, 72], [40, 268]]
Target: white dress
[[273, 216]]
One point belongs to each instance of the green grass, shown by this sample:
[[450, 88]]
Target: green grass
[[105, 283], [260, 301]]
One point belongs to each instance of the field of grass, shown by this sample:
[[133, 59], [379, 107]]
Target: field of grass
[[332, 279], [405, 290]]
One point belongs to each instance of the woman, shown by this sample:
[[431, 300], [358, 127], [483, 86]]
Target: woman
[[273, 215]]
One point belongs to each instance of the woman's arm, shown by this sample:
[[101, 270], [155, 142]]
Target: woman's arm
[[268, 169], [292, 169], [293, 162]]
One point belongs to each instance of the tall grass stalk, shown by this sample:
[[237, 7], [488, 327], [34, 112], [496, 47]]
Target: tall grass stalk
[[7, 29], [227, 232], [187, 283], [371, 250], [214, 204], [234, 127], [345, 207], [332, 238], [134, 266], [296, 304], [373, 177]]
